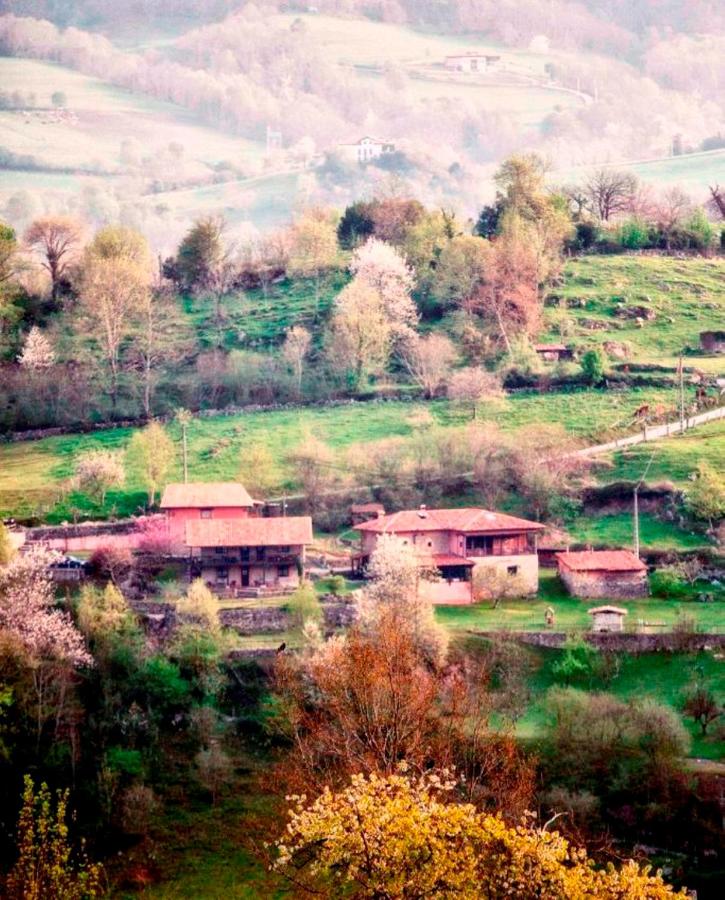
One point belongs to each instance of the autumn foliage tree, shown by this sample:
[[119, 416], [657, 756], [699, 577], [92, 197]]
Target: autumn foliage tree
[[400, 837]]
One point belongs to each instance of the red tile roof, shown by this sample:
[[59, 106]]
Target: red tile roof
[[467, 521], [275, 532], [601, 561], [205, 495], [448, 559]]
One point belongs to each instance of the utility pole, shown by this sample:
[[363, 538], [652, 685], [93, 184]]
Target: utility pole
[[636, 504], [681, 369], [184, 417]]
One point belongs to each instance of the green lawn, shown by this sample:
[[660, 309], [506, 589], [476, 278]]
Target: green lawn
[[571, 613]]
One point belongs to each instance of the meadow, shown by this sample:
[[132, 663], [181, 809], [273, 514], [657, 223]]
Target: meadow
[[686, 297], [34, 475], [106, 116]]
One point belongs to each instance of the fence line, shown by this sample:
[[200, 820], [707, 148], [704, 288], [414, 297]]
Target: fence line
[[653, 433]]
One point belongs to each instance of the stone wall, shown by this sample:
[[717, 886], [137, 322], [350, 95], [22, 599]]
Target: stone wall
[[605, 585], [622, 642], [274, 619]]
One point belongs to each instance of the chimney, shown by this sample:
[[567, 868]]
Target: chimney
[[423, 512]]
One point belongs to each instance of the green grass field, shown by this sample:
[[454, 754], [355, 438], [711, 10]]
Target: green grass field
[[673, 460], [32, 474], [687, 297]]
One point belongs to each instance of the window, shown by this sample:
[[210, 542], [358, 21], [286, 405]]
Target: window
[[283, 571], [481, 543], [205, 514], [220, 549], [222, 574], [513, 570], [430, 543], [284, 549]]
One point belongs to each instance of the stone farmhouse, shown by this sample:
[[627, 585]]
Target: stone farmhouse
[[472, 61], [457, 542], [603, 573], [365, 149], [254, 553]]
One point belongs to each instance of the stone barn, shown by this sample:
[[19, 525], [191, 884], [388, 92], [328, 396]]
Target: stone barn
[[603, 573], [712, 341], [553, 352], [607, 618]]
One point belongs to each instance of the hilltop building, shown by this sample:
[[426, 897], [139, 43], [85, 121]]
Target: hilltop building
[[603, 573], [472, 61], [456, 542], [365, 149]]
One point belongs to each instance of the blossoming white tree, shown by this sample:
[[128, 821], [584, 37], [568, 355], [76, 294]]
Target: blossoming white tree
[[381, 266], [37, 352]]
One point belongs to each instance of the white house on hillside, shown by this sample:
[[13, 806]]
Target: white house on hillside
[[365, 149], [471, 61]]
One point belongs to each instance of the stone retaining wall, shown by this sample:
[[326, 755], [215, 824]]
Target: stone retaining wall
[[623, 641]]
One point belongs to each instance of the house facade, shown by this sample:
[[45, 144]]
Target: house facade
[[366, 149], [471, 61], [246, 553], [182, 503], [603, 574], [458, 543]]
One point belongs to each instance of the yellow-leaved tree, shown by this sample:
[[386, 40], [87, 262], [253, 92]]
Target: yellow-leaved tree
[[399, 838]]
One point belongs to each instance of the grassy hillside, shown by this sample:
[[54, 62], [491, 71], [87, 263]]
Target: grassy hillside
[[32, 474], [106, 116], [674, 460], [686, 297]]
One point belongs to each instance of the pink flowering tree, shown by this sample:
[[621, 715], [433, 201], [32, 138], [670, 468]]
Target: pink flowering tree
[[53, 649]]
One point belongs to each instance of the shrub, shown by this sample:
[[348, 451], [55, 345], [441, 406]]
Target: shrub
[[593, 366]]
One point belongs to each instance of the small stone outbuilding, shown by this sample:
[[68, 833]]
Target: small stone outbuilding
[[607, 618], [603, 573]]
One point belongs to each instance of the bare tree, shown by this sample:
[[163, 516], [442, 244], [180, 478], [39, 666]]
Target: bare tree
[[610, 192], [57, 238], [717, 200], [295, 349], [672, 209], [428, 360], [473, 385]]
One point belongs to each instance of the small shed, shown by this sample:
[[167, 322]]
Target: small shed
[[603, 573], [607, 618], [365, 512], [712, 341], [553, 352]]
